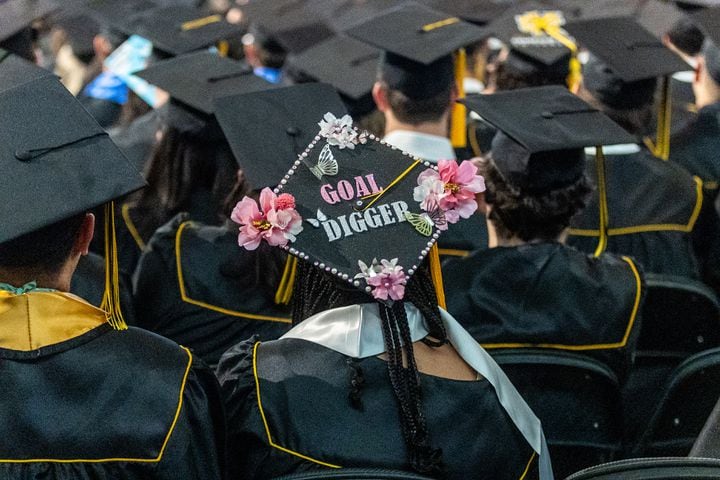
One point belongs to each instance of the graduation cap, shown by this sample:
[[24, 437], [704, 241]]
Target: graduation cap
[[709, 22], [295, 24], [479, 12], [633, 60], [196, 79], [15, 15], [352, 210], [15, 70], [267, 130], [345, 63], [542, 134], [57, 162], [178, 30], [418, 43]]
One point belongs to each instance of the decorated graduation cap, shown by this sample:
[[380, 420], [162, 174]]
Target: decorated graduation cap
[[58, 162], [542, 134], [418, 42], [538, 42], [268, 129], [295, 25], [345, 63], [633, 58], [363, 211]]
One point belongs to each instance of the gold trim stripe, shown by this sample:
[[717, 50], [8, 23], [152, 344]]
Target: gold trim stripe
[[265, 423], [125, 211]]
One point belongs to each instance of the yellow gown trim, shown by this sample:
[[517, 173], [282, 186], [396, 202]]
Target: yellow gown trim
[[265, 423], [599, 346], [185, 298]]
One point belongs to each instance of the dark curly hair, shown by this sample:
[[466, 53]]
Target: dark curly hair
[[531, 215]]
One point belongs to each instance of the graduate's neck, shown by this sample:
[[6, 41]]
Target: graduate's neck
[[438, 128], [497, 240], [56, 280]]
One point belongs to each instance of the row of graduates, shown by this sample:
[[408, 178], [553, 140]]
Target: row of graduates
[[187, 283]]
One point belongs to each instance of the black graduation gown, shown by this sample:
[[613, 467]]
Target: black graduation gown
[[88, 283], [104, 404], [653, 207], [464, 237], [288, 411], [189, 287], [697, 147], [548, 295], [137, 139]]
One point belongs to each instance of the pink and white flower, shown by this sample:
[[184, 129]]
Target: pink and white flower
[[386, 278], [276, 221], [339, 132], [452, 186]]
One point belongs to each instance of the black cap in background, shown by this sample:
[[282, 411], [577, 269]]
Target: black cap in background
[[294, 24], [15, 70], [268, 130], [197, 79], [709, 22], [656, 16], [479, 12], [543, 132], [15, 15], [56, 160]]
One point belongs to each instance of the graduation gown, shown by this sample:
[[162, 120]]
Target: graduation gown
[[81, 400], [547, 295], [697, 148], [653, 207], [191, 286], [137, 139], [289, 411]]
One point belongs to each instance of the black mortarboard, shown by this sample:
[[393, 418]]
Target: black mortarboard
[[695, 4], [56, 160], [178, 30], [295, 24], [523, 28], [656, 16], [118, 14], [15, 70], [357, 205], [417, 33], [709, 22], [16, 15], [267, 130], [475, 11], [543, 132], [196, 79], [624, 45], [345, 63]]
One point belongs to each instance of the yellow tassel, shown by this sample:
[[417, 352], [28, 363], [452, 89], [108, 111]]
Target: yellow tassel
[[574, 73], [458, 117], [661, 146], [602, 201], [283, 295], [436, 275], [111, 296], [200, 22], [223, 48]]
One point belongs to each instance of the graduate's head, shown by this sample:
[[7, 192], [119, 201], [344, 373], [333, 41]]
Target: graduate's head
[[707, 80], [685, 36], [630, 104], [536, 170], [262, 50], [518, 70]]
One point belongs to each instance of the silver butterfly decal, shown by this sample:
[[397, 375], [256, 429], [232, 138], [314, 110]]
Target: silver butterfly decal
[[315, 222], [327, 165]]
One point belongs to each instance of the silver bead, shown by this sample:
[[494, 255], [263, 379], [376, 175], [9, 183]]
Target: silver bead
[[368, 289], [356, 283], [333, 271], [322, 265]]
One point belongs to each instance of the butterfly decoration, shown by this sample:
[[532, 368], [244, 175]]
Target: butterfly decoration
[[315, 222], [425, 222], [327, 165]]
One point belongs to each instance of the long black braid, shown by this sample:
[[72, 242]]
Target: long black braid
[[316, 291]]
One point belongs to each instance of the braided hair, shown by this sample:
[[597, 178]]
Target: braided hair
[[316, 291]]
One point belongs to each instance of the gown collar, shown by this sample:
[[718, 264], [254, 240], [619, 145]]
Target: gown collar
[[422, 145], [355, 331]]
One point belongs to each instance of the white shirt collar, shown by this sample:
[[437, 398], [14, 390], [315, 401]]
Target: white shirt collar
[[622, 149], [355, 331], [422, 145]]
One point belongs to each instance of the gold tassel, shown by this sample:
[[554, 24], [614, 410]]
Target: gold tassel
[[223, 48], [200, 22], [283, 295], [602, 201], [111, 296], [436, 275], [458, 117], [661, 147]]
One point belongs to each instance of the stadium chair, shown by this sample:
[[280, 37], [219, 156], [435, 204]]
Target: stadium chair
[[577, 399], [354, 474], [678, 468], [688, 399], [680, 317]]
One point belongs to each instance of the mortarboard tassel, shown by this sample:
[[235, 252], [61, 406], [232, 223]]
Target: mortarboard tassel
[[602, 201], [436, 275], [111, 296], [200, 22], [458, 117], [283, 295], [661, 147]]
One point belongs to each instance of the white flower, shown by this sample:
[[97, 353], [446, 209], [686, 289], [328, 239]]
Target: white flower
[[428, 188], [339, 132], [369, 271]]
